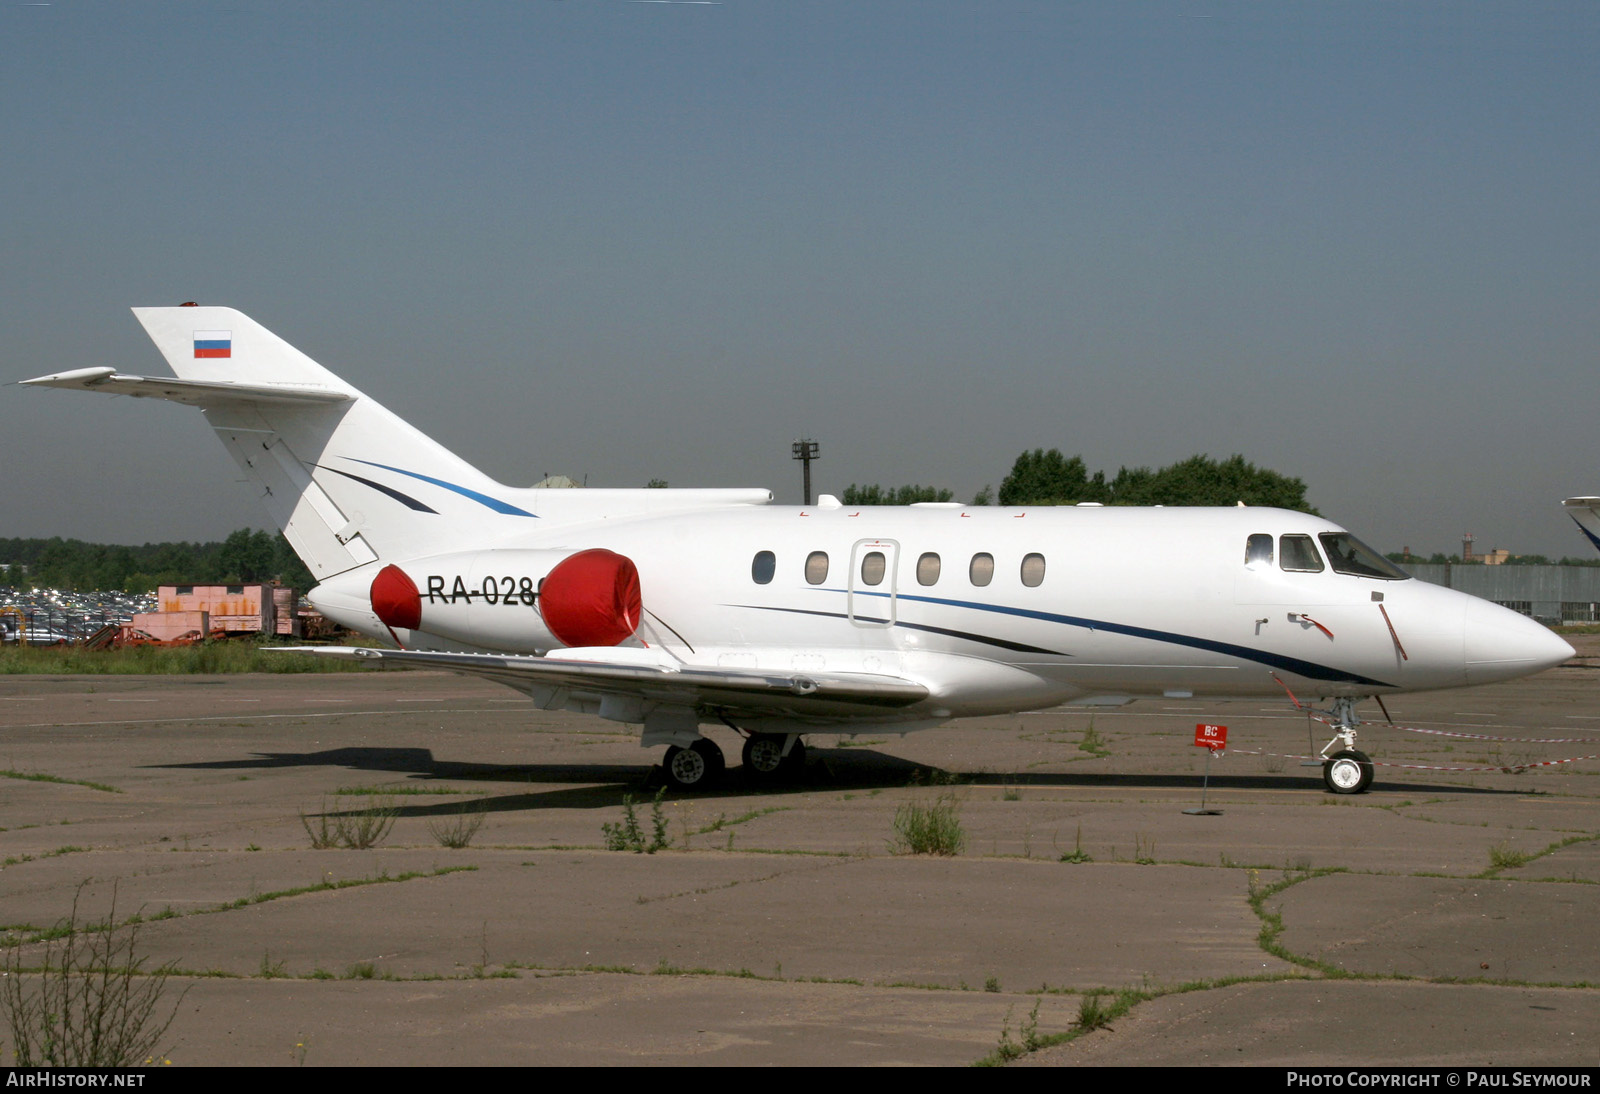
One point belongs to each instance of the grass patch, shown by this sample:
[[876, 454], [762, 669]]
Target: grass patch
[[1504, 857], [1092, 742], [1272, 922], [933, 829], [323, 887], [722, 820], [205, 658], [398, 791], [36, 778]]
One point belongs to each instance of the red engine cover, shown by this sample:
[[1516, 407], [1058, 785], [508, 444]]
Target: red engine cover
[[592, 598], [395, 599]]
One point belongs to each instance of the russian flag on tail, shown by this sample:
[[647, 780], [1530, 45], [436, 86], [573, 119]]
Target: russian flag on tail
[[213, 343]]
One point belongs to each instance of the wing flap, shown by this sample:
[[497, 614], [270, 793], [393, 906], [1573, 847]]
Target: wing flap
[[749, 691]]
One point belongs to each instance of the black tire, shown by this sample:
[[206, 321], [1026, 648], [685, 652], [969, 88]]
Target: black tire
[[1347, 772], [697, 767], [764, 761]]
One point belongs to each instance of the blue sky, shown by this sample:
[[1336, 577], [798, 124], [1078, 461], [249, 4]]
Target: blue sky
[[1358, 243]]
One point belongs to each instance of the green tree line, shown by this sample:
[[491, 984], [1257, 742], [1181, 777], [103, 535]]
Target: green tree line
[[1043, 477], [245, 556]]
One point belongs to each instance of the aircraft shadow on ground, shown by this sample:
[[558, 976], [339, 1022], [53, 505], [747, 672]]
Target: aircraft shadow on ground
[[603, 785]]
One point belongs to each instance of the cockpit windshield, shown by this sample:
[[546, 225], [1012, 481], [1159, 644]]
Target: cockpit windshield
[[1348, 555]]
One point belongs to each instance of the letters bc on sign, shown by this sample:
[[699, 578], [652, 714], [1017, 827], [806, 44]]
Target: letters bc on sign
[[1212, 737]]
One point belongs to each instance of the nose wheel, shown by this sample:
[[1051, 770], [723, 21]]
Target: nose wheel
[[1348, 771], [698, 767]]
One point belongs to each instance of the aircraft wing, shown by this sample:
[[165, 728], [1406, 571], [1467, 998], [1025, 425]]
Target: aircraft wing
[[552, 680]]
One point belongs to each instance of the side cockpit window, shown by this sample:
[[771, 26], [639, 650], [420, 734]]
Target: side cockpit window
[[1298, 554], [1348, 555], [1258, 551]]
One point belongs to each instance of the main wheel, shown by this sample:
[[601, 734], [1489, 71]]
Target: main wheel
[[764, 761], [694, 768], [1347, 772]]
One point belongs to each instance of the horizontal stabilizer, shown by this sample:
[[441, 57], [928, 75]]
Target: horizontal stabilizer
[[193, 392]]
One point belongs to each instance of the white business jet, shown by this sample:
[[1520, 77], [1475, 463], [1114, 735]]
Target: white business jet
[[673, 609]]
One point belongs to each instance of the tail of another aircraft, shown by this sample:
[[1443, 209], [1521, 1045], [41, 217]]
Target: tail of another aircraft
[[348, 482], [1586, 511]]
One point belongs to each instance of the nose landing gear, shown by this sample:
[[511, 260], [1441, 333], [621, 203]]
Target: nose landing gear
[[1348, 771]]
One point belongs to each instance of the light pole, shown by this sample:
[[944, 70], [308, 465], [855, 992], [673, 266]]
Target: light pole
[[805, 451]]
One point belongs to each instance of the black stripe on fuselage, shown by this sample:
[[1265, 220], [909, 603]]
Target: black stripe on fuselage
[[987, 640], [404, 499], [1308, 669]]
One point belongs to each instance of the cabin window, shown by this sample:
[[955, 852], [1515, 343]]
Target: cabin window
[[928, 569], [816, 567], [981, 572], [763, 567], [1299, 554], [872, 568], [1348, 555], [1258, 551], [1033, 570]]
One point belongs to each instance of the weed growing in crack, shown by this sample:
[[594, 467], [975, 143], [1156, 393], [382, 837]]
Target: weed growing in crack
[[1077, 854], [91, 1004], [629, 834], [461, 826], [356, 830], [933, 829]]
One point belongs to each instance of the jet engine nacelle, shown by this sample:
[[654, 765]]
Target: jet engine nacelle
[[517, 600]]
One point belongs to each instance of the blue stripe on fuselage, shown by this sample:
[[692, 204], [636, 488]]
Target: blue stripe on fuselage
[[1309, 669]]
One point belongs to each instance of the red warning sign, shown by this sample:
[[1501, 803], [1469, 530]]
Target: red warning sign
[[1212, 737]]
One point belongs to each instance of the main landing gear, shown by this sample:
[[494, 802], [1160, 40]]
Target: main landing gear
[[698, 767], [1348, 771], [769, 759]]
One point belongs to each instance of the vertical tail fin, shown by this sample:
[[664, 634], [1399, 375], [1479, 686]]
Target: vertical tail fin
[[347, 481]]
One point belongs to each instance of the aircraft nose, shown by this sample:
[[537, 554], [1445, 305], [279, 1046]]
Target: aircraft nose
[[1502, 644]]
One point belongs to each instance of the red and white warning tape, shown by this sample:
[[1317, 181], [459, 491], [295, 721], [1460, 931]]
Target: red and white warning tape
[[1508, 769], [1473, 736]]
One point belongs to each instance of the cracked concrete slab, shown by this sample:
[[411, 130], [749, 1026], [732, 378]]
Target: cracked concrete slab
[[214, 779]]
